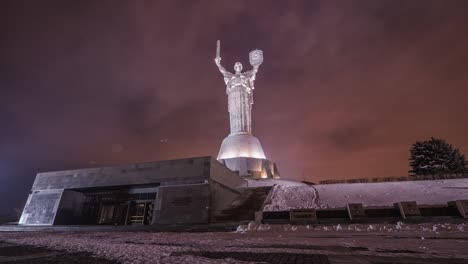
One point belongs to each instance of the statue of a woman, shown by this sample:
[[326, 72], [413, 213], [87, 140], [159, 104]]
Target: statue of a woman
[[239, 88]]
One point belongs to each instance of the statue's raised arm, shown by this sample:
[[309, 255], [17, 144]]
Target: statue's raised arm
[[222, 69], [217, 61]]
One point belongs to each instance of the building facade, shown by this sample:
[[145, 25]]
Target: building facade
[[183, 191]]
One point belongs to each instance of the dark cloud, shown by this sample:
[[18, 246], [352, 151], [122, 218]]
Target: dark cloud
[[343, 84], [356, 137]]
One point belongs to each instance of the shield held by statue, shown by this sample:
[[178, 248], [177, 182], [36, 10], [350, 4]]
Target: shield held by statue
[[256, 57]]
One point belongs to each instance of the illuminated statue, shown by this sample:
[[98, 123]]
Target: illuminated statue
[[241, 151], [239, 88]]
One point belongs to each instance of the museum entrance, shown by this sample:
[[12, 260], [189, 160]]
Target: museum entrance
[[141, 213], [129, 206], [140, 208]]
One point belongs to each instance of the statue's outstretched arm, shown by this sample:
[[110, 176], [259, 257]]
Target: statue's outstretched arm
[[254, 71], [251, 75]]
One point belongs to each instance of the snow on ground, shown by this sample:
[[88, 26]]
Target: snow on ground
[[370, 194], [127, 247], [291, 197], [387, 193], [439, 241], [379, 227]]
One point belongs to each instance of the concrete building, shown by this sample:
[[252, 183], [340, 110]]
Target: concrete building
[[183, 191]]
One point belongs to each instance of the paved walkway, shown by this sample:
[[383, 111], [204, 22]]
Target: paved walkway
[[286, 244], [21, 254]]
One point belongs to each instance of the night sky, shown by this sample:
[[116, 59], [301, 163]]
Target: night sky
[[345, 88]]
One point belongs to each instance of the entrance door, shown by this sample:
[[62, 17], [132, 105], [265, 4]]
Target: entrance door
[[106, 214], [141, 213]]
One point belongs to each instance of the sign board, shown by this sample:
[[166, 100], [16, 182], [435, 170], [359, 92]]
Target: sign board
[[408, 209], [355, 211], [302, 216]]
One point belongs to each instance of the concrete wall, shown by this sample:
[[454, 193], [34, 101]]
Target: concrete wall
[[223, 185], [221, 198], [193, 170], [184, 204], [184, 192], [221, 174]]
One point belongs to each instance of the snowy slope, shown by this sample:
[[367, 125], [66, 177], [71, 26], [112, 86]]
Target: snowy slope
[[369, 194], [290, 197]]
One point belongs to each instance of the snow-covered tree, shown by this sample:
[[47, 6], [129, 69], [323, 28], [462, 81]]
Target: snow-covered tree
[[436, 157]]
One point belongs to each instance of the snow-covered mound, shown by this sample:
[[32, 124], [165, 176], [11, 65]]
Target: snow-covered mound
[[370, 194], [291, 197], [387, 193]]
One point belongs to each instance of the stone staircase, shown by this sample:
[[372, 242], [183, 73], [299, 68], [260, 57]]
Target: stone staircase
[[245, 206]]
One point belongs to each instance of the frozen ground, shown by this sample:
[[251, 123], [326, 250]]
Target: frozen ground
[[433, 192], [381, 243]]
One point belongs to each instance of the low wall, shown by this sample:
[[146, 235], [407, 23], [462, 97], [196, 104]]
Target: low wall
[[396, 179]]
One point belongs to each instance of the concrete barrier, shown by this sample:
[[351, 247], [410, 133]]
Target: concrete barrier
[[461, 206], [302, 216], [355, 211], [275, 217], [408, 209]]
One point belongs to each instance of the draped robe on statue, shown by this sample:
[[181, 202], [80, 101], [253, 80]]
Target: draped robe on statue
[[239, 88]]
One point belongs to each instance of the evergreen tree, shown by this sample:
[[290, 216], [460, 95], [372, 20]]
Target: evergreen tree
[[436, 157]]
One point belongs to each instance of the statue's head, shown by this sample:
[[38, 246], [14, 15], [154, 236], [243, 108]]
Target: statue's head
[[238, 67]]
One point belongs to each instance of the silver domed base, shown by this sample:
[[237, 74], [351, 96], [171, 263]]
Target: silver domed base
[[241, 145], [252, 167]]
